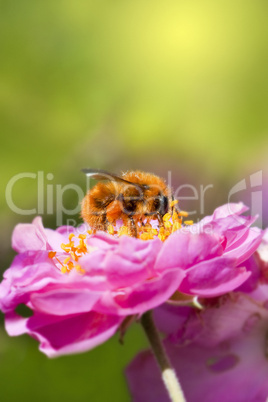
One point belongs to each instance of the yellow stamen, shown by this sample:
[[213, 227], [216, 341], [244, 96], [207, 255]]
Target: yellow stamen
[[82, 236], [74, 253], [51, 254], [183, 213], [174, 202], [175, 216], [70, 265], [79, 269], [166, 217], [145, 236], [188, 222], [74, 256], [167, 224], [111, 229], [176, 226], [123, 231], [65, 247]]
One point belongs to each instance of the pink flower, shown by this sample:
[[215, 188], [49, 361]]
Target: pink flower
[[77, 309], [80, 287], [219, 355]]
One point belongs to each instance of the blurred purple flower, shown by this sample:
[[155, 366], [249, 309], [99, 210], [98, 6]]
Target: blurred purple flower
[[262, 257], [220, 354]]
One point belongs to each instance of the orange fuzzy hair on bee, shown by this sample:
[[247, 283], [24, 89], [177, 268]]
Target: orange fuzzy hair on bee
[[130, 197]]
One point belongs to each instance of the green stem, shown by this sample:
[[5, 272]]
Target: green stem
[[168, 373]]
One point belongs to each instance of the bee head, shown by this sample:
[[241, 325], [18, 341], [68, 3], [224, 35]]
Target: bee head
[[160, 205]]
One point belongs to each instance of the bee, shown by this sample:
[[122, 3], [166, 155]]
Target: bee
[[132, 197]]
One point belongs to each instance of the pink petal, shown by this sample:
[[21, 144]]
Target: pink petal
[[143, 296], [15, 324], [29, 237], [129, 263], [73, 334], [213, 277], [243, 248], [64, 301], [183, 250]]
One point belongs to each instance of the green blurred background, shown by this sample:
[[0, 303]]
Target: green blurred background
[[174, 86]]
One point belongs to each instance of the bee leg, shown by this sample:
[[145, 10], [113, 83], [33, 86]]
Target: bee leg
[[132, 227], [160, 221], [141, 221], [172, 209], [102, 223]]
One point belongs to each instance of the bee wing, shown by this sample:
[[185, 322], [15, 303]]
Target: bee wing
[[99, 174]]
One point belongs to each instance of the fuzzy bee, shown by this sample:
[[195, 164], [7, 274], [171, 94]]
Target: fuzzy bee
[[131, 197]]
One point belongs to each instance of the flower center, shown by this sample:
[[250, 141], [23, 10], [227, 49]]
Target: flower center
[[148, 231], [77, 246]]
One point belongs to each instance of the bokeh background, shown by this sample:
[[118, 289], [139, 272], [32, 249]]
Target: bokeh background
[[176, 86]]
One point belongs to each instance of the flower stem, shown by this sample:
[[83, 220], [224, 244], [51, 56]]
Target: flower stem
[[168, 373]]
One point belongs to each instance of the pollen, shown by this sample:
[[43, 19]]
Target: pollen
[[166, 217], [167, 224], [147, 232], [123, 231], [111, 229], [172, 223], [79, 269], [145, 236], [176, 226], [175, 216]]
